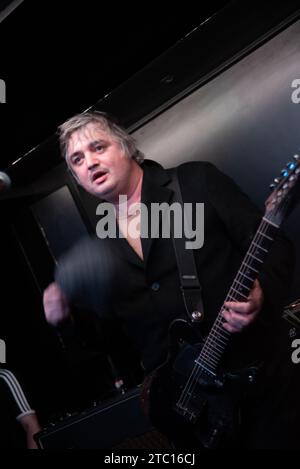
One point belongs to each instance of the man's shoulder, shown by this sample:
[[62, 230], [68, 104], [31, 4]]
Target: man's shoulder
[[191, 166], [186, 167], [188, 172], [198, 170]]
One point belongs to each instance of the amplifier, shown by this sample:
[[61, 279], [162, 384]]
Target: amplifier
[[118, 423]]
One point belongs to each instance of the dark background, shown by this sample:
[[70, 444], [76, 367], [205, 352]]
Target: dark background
[[57, 62], [58, 58]]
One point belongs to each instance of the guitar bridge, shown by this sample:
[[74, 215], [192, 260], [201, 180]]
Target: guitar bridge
[[186, 413]]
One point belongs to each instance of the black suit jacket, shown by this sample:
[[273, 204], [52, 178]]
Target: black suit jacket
[[143, 297]]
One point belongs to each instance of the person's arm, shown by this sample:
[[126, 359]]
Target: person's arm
[[31, 426], [20, 407], [241, 219], [73, 326]]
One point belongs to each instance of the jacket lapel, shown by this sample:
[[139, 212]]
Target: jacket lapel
[[154, 190]]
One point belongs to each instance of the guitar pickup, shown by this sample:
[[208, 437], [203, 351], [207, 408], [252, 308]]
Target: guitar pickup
[[186, 413]]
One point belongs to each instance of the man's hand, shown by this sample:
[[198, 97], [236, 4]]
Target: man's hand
[[56, 305], [240, 315], [31, 426]]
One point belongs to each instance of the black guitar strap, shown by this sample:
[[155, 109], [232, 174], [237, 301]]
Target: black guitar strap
[[190, 285]]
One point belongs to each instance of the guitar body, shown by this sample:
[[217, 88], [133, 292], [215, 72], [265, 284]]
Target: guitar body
[[209, 413]]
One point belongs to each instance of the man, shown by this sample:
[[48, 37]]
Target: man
[[105, 162], [14, 406]]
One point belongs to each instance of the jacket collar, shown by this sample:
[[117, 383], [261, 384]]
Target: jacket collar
[[154, 190]]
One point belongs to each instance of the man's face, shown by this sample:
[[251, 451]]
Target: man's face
[[98, 162]]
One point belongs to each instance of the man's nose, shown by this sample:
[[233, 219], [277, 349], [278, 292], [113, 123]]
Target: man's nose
[[91, 160]]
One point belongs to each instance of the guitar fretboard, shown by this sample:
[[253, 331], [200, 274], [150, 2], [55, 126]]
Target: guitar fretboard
[[218, 338]]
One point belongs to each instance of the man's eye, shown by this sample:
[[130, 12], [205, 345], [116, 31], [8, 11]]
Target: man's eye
[[99, 147], [76, 160]]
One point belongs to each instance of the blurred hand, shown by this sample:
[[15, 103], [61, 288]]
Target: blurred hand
[[56, 305], [240, 315]]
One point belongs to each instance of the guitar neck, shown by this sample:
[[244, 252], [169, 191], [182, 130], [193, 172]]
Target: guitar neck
[[218, 338]]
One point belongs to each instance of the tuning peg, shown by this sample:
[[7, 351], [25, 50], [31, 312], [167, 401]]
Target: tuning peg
[[291, 165], [284, 173], [296, 157], [274, 184]]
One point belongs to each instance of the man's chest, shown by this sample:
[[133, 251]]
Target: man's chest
[[130, 227]]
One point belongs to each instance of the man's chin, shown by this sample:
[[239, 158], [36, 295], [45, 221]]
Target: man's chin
[[101, 192]]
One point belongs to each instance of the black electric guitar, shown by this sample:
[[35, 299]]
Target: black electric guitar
[[189, 392]]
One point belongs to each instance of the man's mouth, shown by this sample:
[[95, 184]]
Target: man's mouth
[[99, 176]]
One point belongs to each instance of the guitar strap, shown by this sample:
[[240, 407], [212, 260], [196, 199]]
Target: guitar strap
[[190, 285]]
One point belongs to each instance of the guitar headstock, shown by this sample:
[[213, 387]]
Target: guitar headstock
[[285, 192]]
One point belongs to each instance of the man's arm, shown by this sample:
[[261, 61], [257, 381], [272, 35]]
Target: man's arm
[[241, 219], [20, 407], [30, 426]]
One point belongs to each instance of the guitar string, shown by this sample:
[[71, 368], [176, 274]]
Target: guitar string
[[218, 329], [197, 371], [263, 227]]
